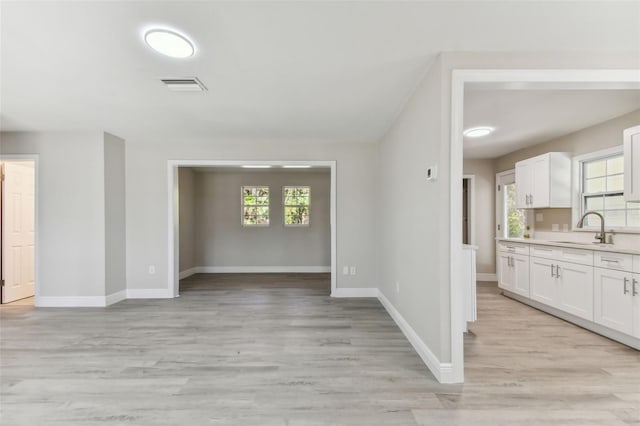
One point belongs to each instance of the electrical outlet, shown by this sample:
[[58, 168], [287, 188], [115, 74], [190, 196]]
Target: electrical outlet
[[565, 227], [555, 227], [539, 217], [345, 270], [353, 270], [152, 269], [398, 287]]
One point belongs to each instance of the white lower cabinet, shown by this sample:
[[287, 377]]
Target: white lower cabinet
[[614, 307], [575, 289], [513, 273], [544, 288]]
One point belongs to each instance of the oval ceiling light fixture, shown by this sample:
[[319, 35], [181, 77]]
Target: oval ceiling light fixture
[[478, 132], [169, 43]]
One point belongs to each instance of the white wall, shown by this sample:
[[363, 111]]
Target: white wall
[[411, 250], [484, 213], [187, 217], [147, 200], [222, 241], [115, 219], [71, 208]]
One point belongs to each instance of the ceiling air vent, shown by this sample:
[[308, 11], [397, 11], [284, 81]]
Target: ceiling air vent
[[185, 84]]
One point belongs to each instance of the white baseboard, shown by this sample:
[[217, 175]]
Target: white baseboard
[[115, 297], [149, 293], [255, 270], [70, 301], [443, 372], [188, 272], [486, 277], [355, 292]]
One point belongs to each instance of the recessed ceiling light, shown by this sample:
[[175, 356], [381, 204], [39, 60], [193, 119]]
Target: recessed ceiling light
[[256, 166], [169, 43], [478, 132], [291, 166]]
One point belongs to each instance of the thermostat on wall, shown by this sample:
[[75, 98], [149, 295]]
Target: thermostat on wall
[[432, 173]]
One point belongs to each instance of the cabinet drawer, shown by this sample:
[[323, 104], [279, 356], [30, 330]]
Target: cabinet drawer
[[509, 247], [582, 257], [619, 261]]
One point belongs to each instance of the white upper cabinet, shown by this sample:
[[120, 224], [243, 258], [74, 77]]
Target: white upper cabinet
[[632, 164], [544, 181]]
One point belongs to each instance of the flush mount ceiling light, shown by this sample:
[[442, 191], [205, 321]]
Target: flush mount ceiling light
[[478, 132], [169, 43]]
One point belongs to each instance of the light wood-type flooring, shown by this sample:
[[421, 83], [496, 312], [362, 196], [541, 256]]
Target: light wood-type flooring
[[277, 350]]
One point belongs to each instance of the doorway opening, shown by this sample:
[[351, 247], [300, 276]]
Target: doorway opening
[[468, 209], [18, 231], [174, 167]]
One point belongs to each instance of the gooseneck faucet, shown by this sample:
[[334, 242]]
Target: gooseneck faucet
[[601, 236]]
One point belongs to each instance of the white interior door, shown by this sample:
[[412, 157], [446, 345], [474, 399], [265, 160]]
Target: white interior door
[[18, 230]]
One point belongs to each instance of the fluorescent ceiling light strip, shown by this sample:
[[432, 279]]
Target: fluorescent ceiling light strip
[[256, 166], [296, 167]]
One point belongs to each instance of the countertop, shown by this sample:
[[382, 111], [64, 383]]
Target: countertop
[[576, 245]]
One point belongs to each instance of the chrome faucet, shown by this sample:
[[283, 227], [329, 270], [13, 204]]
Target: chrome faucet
[[601, 236]]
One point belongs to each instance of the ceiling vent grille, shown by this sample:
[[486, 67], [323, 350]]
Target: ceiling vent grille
[[184, 84]]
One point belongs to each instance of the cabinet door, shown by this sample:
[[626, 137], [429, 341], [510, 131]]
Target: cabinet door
[[632, 164], [521, 274], [575, 289], [523, 184], [544, 286], [539, 182], [505, 272], [613, 307]]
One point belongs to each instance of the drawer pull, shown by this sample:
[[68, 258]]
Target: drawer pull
[[626, 290], [633, 284], [610, 260]]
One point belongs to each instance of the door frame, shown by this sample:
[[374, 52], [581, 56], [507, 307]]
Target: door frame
[[459, 77], [499, 201], [173, 231], [471, 207], [36, 216]]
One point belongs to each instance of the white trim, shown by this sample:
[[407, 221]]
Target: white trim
[[70, 301], [149, 293], [188, 272], [257, 270], [481, 276], [443, 372], [36, 237], [115, 297], [354, 292], [173, 204], [458, 79]]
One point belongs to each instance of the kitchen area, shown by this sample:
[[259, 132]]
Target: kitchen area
[[557, 219]]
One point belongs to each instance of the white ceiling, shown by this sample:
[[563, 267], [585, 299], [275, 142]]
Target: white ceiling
[[531, 116], [287, 71]]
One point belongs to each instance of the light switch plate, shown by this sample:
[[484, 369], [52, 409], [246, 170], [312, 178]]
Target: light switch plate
[[555, 227]]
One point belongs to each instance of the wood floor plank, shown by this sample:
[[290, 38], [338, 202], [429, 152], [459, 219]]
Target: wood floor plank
[[275, 349]]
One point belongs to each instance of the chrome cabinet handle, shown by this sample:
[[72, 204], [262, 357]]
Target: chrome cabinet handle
[[531, 199], [633, 284], [610, 260], [552, 271], [557, 271], [626, 290]]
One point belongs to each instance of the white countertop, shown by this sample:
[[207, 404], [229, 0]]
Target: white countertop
[[577, 245]]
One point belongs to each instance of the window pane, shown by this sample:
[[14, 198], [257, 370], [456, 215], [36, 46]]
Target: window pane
[[515, 217], [614, 202], [594, 185], [614, 218], [296, 215], [249, 200], [615, 165], [262, 220], [250, 211], [262, 211], [262, 201], [615, 183], [594, 169], [595, 203]]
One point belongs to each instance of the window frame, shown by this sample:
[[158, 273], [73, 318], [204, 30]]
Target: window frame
[[242, 206], [285, 205], [579, 199]]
